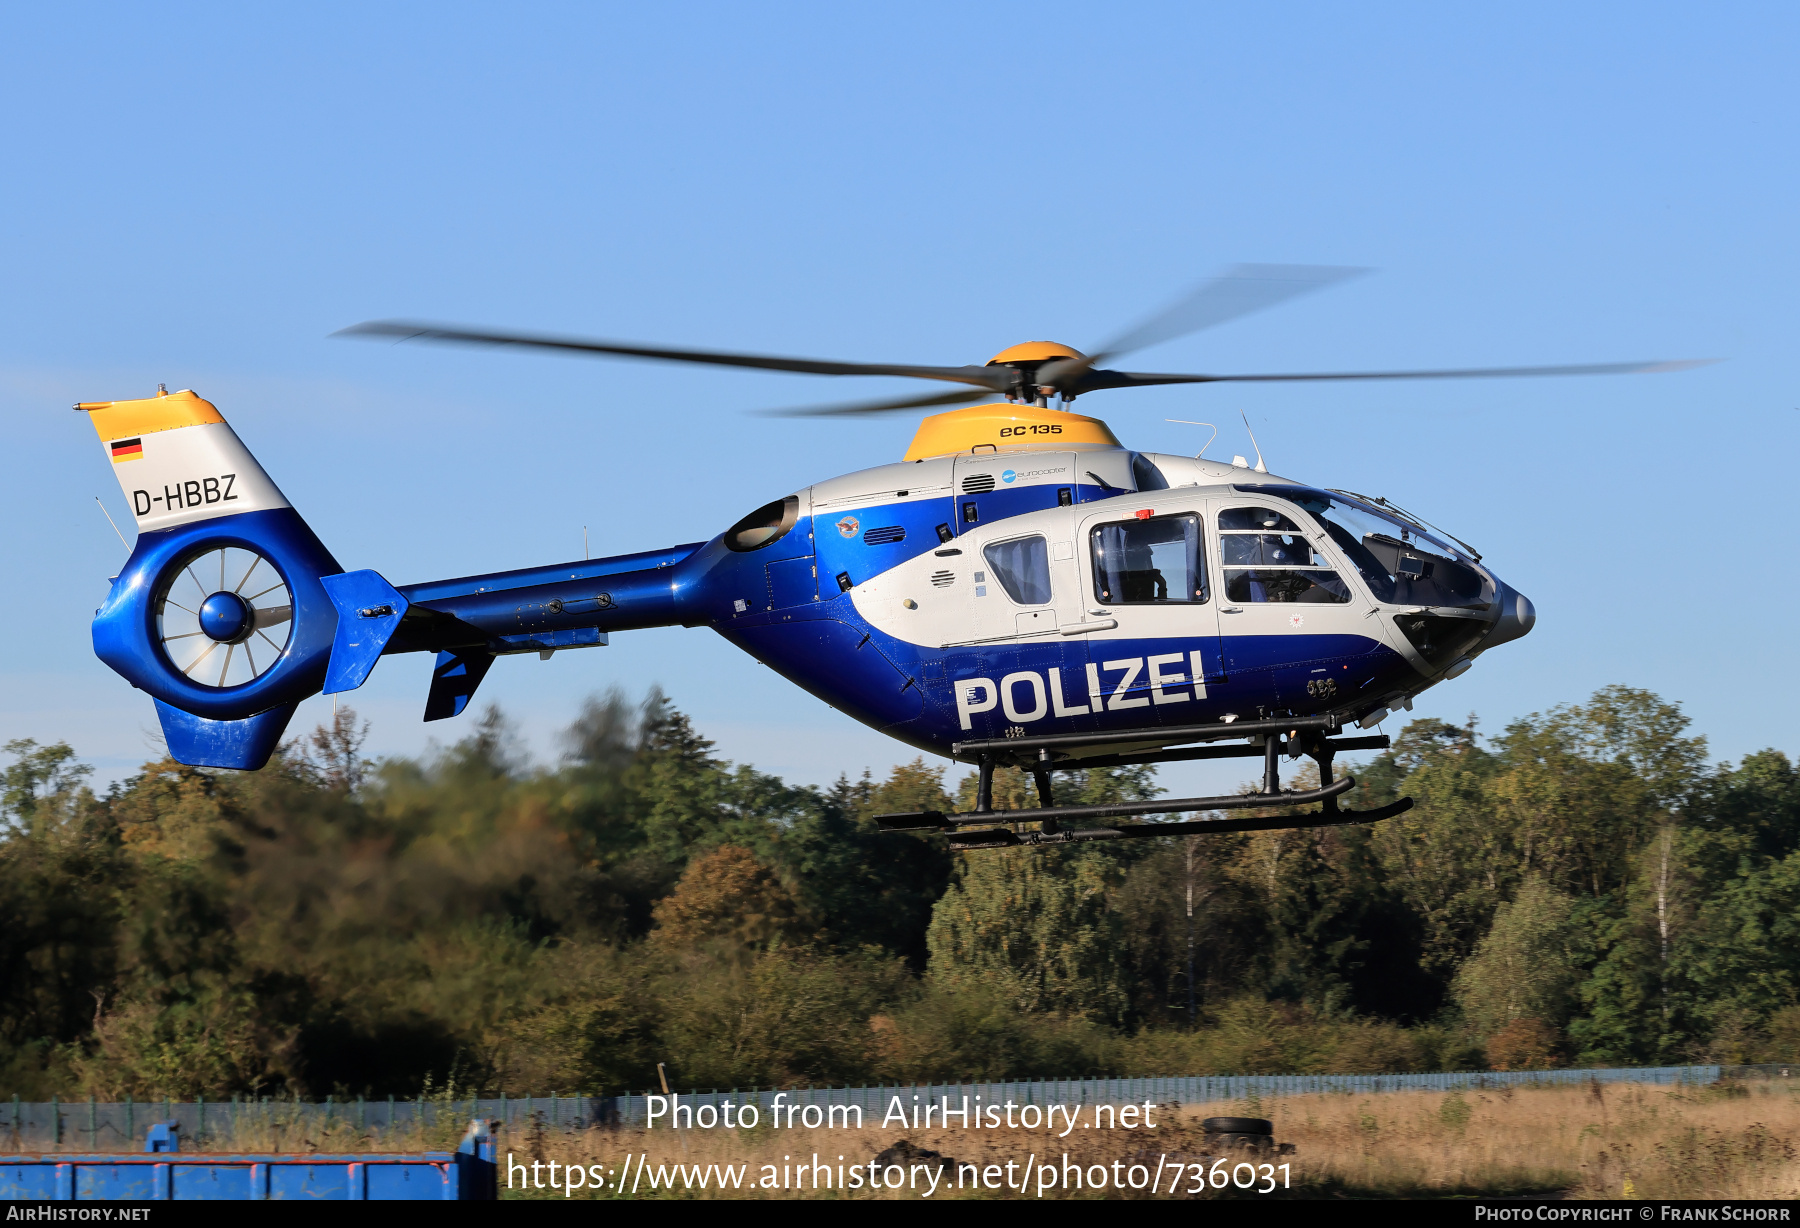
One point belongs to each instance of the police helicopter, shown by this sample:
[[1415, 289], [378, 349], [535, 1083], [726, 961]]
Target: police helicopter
[[1019, 589]]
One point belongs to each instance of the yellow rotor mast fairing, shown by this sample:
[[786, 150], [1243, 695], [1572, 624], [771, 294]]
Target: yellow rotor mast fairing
[[1013, 426], [1033, 351], [1008, 428]]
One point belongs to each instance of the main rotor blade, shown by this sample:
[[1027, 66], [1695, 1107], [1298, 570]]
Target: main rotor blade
[[1238, 291], [1096, 380], [995, 379], [853, 408]]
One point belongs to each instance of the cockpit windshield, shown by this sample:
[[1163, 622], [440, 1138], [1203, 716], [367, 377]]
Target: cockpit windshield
[[1400, 562]]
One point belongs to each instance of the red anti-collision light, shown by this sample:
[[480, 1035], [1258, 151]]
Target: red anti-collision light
[[1144, 513]]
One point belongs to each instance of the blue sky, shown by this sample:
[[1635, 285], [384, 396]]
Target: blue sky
[[198, 195]]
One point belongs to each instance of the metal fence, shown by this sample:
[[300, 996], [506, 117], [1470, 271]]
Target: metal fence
[[879, 1102], [97, 1126]]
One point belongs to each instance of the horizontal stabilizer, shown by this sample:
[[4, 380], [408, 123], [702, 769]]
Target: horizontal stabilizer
[[245, 745], [453, 682], [369, 611]]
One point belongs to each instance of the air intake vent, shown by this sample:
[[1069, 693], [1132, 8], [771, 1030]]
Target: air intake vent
[[943, 579], [978, 483], [883, 536]]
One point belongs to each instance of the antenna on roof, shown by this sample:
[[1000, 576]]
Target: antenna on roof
[[1260, 467], [1201, 454]]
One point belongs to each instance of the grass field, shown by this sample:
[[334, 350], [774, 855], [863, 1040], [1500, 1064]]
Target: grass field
[[1581, 1142], [1613, 1141]]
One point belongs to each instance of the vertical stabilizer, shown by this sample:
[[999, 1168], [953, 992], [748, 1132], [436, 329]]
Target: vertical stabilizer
[[220, 613], [178, 461]]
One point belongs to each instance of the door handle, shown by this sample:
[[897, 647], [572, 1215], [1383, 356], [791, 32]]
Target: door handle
[[1232, 609], [1104, 624]]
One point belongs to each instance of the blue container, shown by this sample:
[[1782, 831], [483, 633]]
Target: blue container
[[162, 1171]]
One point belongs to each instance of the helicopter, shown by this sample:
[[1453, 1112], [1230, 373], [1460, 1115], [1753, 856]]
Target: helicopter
[[1020, 589]]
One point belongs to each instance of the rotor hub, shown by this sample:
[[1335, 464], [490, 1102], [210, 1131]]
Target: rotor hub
[[1025, 360], [227, 618]]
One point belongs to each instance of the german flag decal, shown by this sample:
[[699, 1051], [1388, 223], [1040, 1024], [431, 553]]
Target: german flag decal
[[127, 449]]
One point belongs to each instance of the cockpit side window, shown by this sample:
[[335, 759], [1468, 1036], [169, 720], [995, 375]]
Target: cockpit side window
[[1399, 562], [1154, 561], [1257, 519], [1267, 558], [1022, 566]]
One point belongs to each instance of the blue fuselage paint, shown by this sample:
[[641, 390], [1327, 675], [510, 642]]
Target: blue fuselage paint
[[784, 605], [585, 570]]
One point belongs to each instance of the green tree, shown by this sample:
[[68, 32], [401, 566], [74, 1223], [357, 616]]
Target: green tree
[[683, 787], [863, 885], [1343, 939], [1035, 925], [1195, 932], [40, 778], [1529, 963], [1449, 858]]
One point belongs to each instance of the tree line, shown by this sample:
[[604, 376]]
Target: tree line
[[1585, 886]]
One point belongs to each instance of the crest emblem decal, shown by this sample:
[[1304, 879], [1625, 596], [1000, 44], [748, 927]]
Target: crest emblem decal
[[847, 526]]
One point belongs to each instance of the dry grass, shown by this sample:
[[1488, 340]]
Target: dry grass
[[1621, 1140], [1616, 1141], [1580, 1142]]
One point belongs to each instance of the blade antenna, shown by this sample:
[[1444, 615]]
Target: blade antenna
[[109, 520], [1260, 467]]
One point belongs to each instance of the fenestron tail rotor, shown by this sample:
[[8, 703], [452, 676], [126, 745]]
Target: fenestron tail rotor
[[223, 616], [1038, 371]]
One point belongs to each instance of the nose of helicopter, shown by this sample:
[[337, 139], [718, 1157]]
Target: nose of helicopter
[[1517, 617]]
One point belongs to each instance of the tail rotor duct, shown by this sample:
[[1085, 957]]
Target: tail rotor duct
[[224, 616]]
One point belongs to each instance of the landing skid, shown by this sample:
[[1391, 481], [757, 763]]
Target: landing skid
[[1270, 738]]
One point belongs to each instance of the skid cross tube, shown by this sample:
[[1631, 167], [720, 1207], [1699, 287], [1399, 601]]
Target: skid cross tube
[[1331, 722], [926, 820], [1000, 837], [1376, 742], [1269, 737]]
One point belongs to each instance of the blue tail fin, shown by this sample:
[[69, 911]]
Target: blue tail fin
[[453, 682], [369, 611], [245, 745]]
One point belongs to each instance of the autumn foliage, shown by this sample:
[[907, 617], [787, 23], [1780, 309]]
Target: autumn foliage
[[1582, 887]]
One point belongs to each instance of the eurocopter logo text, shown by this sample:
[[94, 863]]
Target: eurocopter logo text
[[1146, 680], [1008, 476]]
